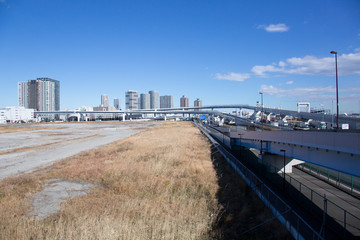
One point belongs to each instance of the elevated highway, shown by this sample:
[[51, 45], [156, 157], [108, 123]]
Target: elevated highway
[[354, 123]]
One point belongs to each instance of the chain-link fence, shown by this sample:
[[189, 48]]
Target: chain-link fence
[[337, 217]]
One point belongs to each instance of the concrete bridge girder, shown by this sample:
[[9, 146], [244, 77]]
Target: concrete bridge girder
[[279, 162], [340, 161]]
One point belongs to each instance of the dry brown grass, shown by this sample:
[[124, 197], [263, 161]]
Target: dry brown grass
[[158, 184], [10, 128]]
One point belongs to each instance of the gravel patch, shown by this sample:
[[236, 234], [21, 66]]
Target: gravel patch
[[49, 200]]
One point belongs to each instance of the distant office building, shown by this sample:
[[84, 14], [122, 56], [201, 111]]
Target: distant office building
[[144, 101], [105, 102], [16, 114], [154, 99], [184, 101], [117, 103], [42, 94], [166, 101], [103, 109], [131, 100], [197, 103]]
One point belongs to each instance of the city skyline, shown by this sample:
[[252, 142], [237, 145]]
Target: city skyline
[[222, 52], [148, 100]]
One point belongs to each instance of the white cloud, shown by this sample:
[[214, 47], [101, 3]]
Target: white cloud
[[281, 27], [320, 94], [296, 92], [310, 65], [282, 64], [239, 77], [262, 70], [289, 82]]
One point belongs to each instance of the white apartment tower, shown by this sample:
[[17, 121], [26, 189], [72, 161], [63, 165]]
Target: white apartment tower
[[154, 99], [144, 101], [23, 94], [131, 100], [105, 102]]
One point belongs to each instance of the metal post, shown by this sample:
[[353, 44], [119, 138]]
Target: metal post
[[262, 111], [283, 150], [324, 216], [297, 228], [344, 224], [337, 91], [241, 148], [328, 175]]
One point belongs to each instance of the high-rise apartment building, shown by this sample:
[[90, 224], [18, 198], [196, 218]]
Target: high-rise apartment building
[[154, 99], [105, 102], [131, 100], [197, 103], [117, 103], [166, 101], [184, 101], [42, 94], [23, 94], [144, 101]]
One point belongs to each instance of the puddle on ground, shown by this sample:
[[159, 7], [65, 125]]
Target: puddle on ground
[[48, 201]]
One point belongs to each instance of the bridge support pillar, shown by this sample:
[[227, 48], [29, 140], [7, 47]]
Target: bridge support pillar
[[275, 162]]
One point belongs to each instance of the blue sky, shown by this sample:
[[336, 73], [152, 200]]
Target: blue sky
[[223, 52]]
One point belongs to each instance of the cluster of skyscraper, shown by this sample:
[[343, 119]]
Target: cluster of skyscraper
[[151, 100], [42, 94], [145, 101]]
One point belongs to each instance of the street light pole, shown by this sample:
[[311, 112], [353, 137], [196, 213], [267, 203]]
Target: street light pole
[[262, 110], [337, 91]]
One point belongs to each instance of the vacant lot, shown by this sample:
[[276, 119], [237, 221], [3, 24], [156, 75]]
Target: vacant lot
[[162, 183], [26, 147]]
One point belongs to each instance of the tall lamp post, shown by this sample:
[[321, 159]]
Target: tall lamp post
[[337, 91], [262, 110]]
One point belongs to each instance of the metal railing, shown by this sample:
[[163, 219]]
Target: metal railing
[[344, 218], [295, 224], [344, 181]]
